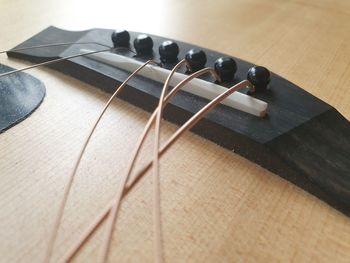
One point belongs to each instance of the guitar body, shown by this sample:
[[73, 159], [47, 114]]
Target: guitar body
[[216, 205], [302, 138]]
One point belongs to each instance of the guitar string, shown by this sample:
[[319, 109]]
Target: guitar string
[[111, 222], [52, 45], [158, 235], [87, 233], [156, 181], [157, 223], [57, 60], [69, 184]]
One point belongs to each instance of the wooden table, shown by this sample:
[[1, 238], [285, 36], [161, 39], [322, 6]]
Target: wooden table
[[216, 206]]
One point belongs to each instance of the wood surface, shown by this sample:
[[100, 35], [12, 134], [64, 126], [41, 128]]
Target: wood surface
[[302, 138], [216, 206]]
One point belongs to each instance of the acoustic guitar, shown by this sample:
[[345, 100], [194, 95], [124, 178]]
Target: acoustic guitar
[[224, 196]]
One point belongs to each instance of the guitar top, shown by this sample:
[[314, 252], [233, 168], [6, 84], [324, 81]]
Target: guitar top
[[302, 138]]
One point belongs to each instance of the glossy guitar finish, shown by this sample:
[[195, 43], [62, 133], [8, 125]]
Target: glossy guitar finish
[[302, 138]]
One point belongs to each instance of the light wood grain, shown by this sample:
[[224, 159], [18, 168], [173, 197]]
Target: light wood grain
[[216, 206]]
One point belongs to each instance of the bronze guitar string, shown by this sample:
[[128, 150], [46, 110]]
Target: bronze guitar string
[[156, 180], [52, 45], [157, 223], [53, 61], [86, 234], [77, 163], [115, 208]]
